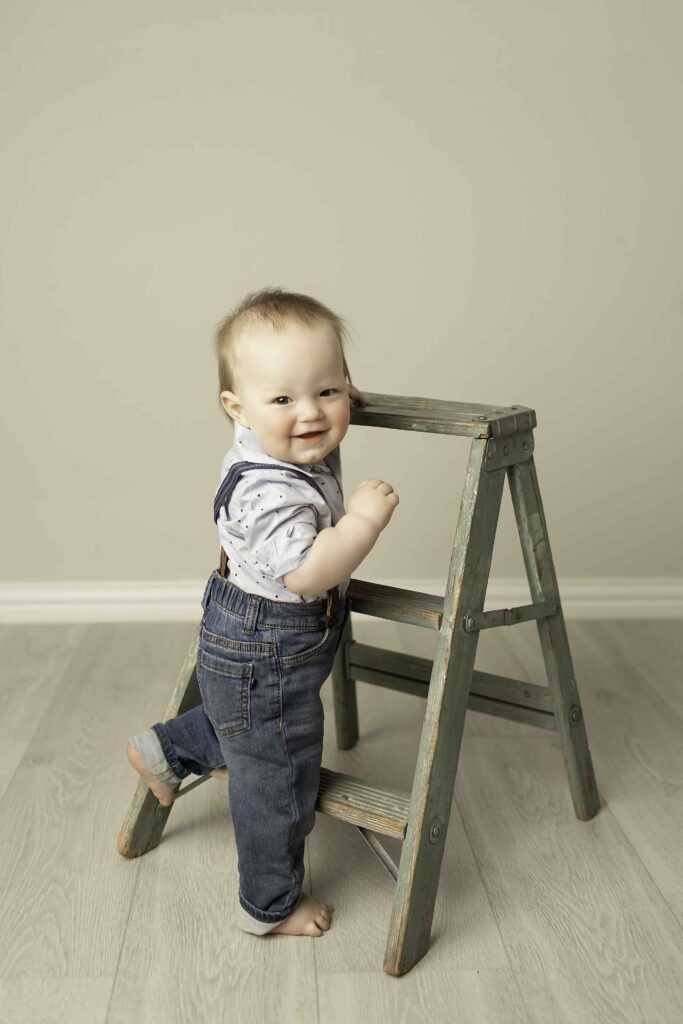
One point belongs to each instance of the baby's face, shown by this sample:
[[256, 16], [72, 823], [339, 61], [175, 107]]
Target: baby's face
[[289, 383]]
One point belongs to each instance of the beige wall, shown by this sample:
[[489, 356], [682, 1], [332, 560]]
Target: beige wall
[[489, 192]]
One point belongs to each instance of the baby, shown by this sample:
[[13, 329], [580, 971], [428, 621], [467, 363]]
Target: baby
[[272, 623]]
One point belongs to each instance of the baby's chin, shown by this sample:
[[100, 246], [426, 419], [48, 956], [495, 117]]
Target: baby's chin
[[309, 460], [315, 455]]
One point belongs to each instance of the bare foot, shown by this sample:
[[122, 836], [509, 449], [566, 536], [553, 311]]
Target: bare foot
[[164, 793], [309, 917]]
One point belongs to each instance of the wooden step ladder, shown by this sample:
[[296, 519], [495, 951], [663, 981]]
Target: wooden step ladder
[[502, 445]]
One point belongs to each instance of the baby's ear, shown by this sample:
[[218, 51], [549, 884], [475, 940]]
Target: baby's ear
[[232, 405]]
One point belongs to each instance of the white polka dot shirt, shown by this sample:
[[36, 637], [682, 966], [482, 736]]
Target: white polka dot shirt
[[273, 517]]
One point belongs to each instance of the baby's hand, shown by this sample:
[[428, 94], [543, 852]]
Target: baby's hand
[[357, 397], [374, 499]]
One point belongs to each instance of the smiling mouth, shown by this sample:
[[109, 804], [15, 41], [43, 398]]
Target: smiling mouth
[[312, 433]]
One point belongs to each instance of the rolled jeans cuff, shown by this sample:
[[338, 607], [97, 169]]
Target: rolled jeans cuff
[[148, 745]]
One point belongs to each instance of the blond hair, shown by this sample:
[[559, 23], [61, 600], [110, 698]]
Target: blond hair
[[279, 308]]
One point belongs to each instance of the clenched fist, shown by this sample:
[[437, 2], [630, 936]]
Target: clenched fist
[[357, 397], [374, 499]]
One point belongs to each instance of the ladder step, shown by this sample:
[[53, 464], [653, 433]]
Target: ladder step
[[396, 604], [437, 416], [377, 808], [420, 609], [489, 693]]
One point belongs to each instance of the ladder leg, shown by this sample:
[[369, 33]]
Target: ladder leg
[[344, 695], [533, 532], [144, 823], [437, 761]]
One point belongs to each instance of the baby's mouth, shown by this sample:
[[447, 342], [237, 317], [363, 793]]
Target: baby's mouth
[[311, 434]]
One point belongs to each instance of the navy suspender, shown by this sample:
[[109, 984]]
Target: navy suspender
[[235, 472]]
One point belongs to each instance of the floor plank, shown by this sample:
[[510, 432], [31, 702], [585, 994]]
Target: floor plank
[[481, 996], [33, 661], [636, 744], [29, 1000], [651, 647]]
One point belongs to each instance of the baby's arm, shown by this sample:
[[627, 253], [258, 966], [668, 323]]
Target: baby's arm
[[340, 549]]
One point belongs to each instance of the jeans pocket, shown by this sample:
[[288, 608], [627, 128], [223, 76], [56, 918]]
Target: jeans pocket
[[290, 652], [225, 688]]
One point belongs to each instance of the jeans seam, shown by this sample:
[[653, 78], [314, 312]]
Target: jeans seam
[[278, 669], [294, 807]]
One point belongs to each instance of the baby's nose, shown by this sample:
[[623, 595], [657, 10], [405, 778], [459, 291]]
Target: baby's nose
[[310, 412]]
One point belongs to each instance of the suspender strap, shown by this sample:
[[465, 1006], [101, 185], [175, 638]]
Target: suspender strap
[[235, 472]]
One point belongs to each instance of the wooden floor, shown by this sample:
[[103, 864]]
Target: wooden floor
[[539, 917]]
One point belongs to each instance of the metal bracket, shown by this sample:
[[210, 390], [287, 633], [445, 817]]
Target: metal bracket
[[379, 851], [474, 621], [509, 449]]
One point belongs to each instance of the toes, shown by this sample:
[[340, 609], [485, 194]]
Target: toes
[[324, 916]]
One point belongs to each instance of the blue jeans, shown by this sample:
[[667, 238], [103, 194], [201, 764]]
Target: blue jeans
[[260, 666]]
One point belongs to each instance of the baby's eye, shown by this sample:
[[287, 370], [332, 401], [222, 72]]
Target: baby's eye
[[277, 401]]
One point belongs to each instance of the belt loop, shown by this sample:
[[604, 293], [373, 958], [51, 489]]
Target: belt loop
[[251, 617]]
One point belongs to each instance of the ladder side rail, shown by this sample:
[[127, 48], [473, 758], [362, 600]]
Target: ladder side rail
[[435, 771], [552, 632], [186, 695]]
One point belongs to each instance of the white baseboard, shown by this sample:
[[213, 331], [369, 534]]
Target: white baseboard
[[180, 600]]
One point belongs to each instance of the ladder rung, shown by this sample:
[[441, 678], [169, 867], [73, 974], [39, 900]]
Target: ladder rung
[[489, 693], [357, 801], [396, 604]]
